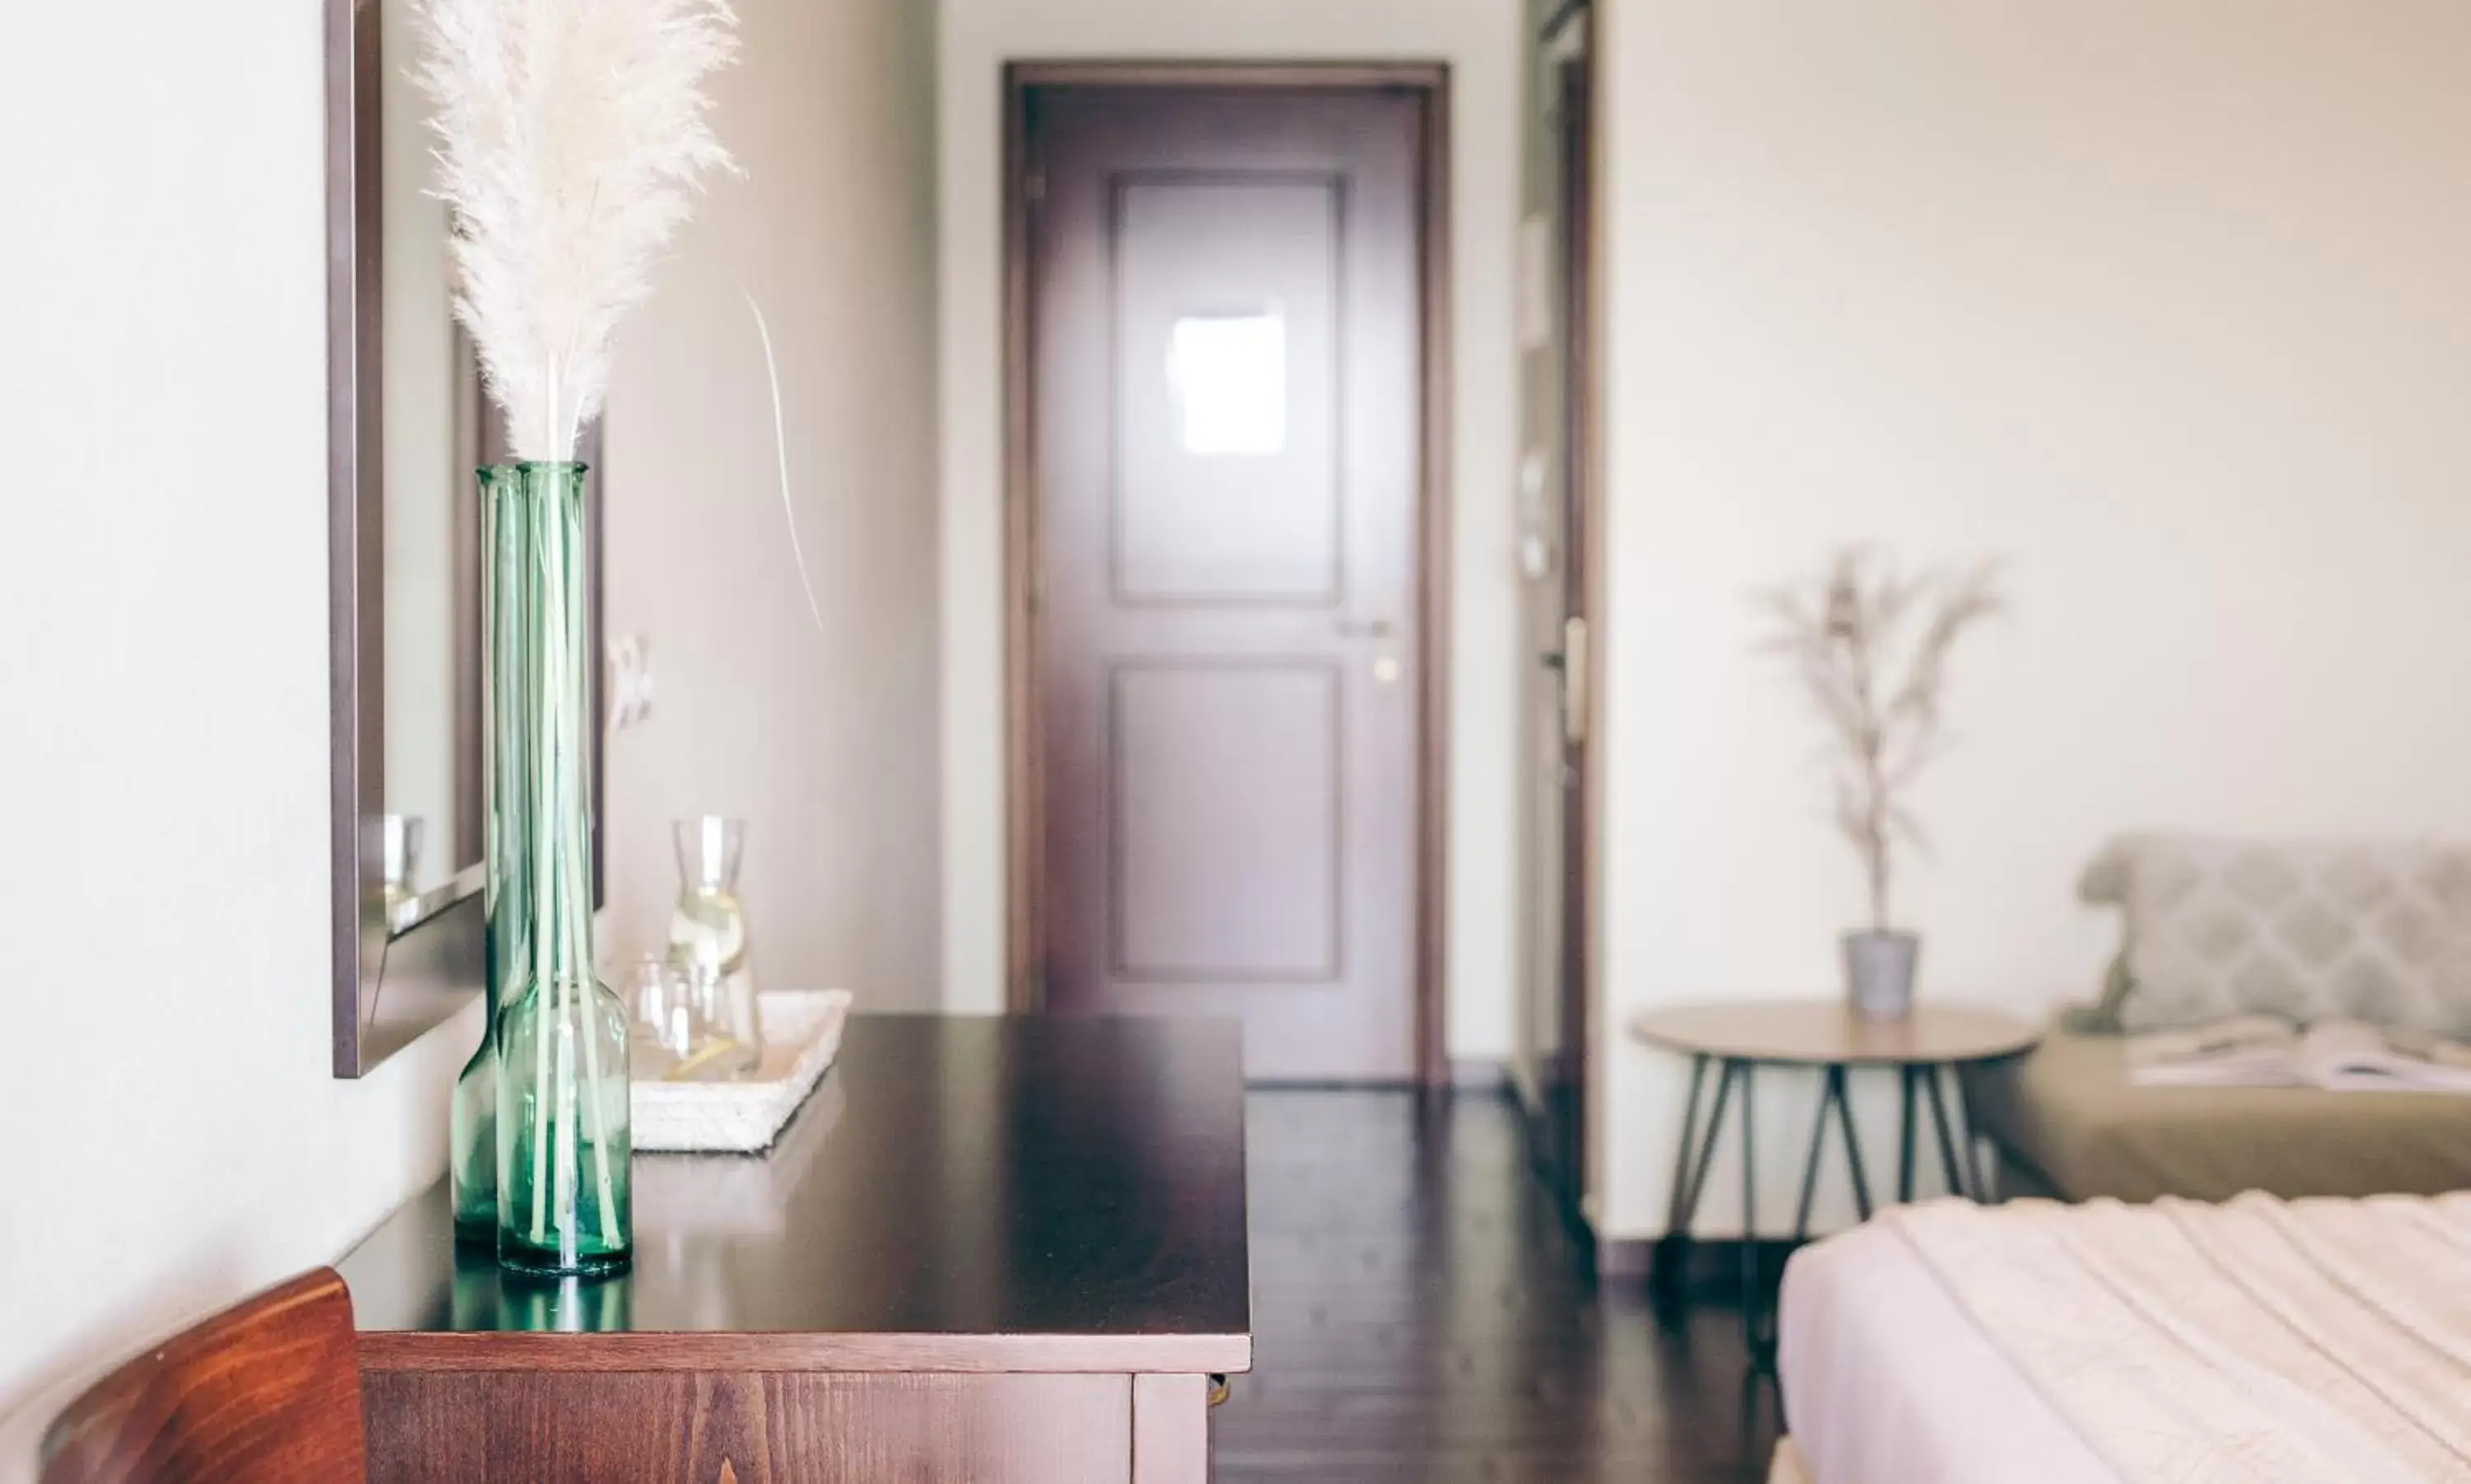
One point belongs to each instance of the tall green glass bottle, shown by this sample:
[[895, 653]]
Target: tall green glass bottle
[[562, 1193]]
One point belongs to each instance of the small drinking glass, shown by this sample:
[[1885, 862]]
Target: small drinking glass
[[732, 1045], [672, 1026]]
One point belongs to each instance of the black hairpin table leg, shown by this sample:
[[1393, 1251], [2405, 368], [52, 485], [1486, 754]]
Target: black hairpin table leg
[[1810, 1170], [1834, 1097], [1844, 1100], [1754, 1288], [1905, 1075], [1666, 1278], [1971, 1129], [1956, 1183], [1664, 1268]]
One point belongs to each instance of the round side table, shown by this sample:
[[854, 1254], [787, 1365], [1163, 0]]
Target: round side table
[[1825, 1035]]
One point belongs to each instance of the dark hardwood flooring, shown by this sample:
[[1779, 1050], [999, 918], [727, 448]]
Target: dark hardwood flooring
[[1422, 1315]]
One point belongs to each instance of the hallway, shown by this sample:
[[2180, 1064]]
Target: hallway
[[1420, 1318]]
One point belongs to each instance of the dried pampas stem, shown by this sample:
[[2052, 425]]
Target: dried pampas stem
[[569, 133], [781, 464]]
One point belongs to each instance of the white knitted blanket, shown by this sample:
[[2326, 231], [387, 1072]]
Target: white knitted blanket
[[2257, 1342]]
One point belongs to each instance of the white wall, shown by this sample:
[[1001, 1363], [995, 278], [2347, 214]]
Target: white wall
[[174, 1137], [2169, 304], [824, 741], [1479, 40]]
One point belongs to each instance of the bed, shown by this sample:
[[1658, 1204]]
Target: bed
[[2257, 1341]]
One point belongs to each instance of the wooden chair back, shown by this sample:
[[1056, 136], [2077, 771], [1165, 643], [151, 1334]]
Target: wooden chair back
[[266, 1393]]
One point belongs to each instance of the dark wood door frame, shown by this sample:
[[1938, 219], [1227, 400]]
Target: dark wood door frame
[[1026, 934]]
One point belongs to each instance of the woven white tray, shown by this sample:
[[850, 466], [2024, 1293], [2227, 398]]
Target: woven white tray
[[802, 1034]]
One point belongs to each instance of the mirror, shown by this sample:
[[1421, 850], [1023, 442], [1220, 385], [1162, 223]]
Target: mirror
[[408, 424]]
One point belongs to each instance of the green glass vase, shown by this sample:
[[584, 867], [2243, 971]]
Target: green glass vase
[[562, 1191]]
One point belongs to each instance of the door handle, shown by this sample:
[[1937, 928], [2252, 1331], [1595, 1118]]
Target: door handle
[[1365, 629], [1574, 680]]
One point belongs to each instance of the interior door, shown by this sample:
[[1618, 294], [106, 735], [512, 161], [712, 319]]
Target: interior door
[[1225, 418]]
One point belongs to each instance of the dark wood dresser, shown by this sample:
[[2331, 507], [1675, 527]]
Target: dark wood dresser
[[1009, 1251]]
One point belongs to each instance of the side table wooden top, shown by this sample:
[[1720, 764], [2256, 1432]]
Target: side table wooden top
[[1827, 1033]]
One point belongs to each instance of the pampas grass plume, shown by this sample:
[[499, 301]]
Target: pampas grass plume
[[569, 133]]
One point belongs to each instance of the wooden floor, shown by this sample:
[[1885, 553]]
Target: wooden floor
[[1421, 1315]]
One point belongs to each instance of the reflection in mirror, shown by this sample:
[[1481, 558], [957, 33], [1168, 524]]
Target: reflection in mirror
[[1228, 377], [430, 443]]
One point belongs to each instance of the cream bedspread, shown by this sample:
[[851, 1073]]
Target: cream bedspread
[[2255, 1342]]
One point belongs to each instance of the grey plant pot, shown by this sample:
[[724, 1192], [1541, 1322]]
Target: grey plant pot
[[1879, 974]]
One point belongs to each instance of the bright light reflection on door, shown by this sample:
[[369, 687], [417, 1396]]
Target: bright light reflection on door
[[1229, 373]]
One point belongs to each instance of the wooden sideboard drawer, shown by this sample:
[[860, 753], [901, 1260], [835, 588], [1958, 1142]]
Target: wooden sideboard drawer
[[688, 1428]]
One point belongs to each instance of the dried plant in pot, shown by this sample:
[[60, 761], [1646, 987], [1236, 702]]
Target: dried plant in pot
[[1869, 645]]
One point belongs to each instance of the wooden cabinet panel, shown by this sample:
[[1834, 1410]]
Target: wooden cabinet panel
[[682, 1428]]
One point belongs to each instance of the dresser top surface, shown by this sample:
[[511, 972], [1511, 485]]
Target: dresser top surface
[[959, 1194]]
